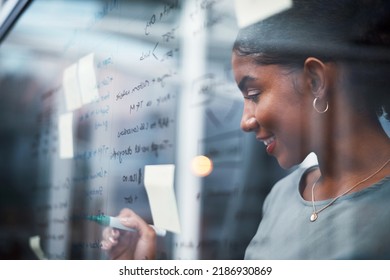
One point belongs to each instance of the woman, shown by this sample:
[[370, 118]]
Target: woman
[[301, 99], [314, 79]]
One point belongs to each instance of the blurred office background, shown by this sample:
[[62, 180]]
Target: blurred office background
[[92, 92]]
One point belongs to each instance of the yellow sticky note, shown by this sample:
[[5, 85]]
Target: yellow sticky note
[[159, 181]]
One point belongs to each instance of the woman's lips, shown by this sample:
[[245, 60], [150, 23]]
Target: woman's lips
[[270, 147], [269, 142]]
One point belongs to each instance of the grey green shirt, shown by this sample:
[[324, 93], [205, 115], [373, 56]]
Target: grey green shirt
[[356, 226]]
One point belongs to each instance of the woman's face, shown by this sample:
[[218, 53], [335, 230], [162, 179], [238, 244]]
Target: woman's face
[[276, 108]]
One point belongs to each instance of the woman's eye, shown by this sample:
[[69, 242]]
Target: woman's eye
[[252, 95]]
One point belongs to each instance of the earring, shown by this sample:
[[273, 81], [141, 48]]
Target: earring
[[315, 106]]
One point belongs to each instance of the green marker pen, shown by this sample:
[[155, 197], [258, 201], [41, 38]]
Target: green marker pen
[[115, 222]]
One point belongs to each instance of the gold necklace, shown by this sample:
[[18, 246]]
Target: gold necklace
[[315, 213]]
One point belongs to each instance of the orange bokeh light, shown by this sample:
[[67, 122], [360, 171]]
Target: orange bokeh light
[[202, 166]]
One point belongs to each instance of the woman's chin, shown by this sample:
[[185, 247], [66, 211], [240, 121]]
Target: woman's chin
[[287, 163]]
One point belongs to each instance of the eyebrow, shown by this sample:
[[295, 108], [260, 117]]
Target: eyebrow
[[243, 84]]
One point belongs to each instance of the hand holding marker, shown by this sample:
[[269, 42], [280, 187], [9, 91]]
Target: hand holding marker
[[115, 222]]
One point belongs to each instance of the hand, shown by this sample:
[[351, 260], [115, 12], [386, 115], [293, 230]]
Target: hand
[[122, 245]]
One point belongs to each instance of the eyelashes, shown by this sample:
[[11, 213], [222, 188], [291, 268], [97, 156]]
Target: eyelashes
[[253, 98], [252, 95]]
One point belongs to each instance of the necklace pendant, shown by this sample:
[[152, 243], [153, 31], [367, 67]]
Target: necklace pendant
[[313, 217]]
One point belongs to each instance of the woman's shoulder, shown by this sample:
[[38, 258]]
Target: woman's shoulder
[[380, 189]]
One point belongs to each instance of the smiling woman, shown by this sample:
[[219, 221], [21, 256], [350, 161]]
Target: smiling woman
[[271, 100], [315, 78]]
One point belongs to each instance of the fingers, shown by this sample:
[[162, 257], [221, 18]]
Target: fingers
[[130, 219], [121, 244], [110, 238]]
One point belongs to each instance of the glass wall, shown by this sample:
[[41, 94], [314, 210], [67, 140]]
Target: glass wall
[[92, 93]]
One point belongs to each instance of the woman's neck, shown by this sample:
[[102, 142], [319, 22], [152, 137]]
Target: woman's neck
[[353, 155]]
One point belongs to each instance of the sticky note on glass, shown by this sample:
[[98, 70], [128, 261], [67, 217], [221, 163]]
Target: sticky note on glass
[[251, 11], [159, 181], [87, 79], [71, 87], [65, 131], [35, 246]]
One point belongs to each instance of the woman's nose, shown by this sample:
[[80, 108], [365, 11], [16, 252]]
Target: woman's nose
[[249, 124]]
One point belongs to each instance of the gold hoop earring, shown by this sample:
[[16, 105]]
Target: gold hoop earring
[[315, 106]]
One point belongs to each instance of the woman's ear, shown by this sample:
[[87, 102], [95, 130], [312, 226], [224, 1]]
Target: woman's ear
[[316, 77]]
